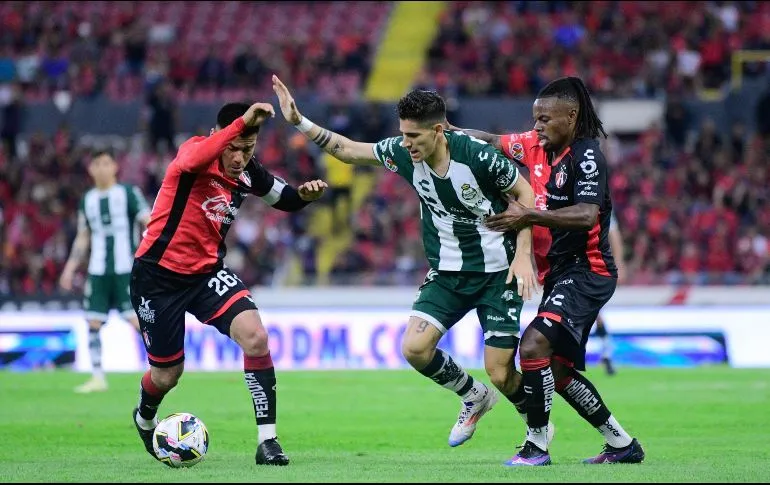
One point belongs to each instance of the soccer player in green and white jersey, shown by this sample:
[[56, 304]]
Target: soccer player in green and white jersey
[[460, 180], [108, 223]]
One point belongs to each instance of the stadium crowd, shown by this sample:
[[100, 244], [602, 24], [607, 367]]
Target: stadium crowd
[[621, 49], [205, 49], [693, 203]]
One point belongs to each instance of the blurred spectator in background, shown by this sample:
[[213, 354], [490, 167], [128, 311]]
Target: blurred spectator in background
[[12, 112], [162, 119]]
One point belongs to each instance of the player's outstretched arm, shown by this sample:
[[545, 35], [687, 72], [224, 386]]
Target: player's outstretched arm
[[340, 147], [198, 153], [523, 267], [276, 192], [78, 254]]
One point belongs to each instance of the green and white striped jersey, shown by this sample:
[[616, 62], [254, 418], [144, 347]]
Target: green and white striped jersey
[[110, 215], [452, 207]]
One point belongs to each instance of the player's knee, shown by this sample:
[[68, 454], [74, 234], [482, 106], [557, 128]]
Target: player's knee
[[499, 375], [416, 353], [254, 342], [166, 378], [534, 345]]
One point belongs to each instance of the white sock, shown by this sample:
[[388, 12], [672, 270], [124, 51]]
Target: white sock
[[146, 424], [614, 433], [265, 432], [476, 392], [539, 437]]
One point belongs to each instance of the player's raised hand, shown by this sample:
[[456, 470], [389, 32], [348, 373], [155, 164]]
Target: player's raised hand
[[258, 113], [313, 190], [288, 106], [523, 271]]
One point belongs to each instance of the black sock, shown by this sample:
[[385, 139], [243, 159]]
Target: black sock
[[538, 385], [584, 398], [260, 380], [150, 397], [445, 372], [518, 398]]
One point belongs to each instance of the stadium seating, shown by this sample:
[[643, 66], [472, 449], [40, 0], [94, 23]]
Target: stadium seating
[[117, 48]]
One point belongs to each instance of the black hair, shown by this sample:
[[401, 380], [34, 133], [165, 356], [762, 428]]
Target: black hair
[[231, 112], [572, 88], [98, 152], [422, 106]]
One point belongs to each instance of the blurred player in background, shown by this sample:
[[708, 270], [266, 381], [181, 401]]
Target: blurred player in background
[[460, 180], [575, 263], [109, 220], [179, 266]]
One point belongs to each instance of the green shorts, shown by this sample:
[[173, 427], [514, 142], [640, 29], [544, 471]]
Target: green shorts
[[446, 296], [105, 292]]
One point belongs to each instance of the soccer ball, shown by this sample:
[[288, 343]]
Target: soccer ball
[[180, 440]]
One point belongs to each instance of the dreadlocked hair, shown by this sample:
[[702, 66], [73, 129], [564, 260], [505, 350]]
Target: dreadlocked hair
[[572, 88]]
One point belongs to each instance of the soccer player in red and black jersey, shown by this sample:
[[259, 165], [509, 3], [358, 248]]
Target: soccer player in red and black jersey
[[570, 222], [179, 265]]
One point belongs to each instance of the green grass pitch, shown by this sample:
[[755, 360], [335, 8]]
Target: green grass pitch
[[708, 424]]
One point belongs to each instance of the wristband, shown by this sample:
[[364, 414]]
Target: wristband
[[304, 125]]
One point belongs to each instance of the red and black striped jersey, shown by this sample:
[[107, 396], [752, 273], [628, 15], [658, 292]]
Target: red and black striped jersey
[[197, 203], [579, 174]]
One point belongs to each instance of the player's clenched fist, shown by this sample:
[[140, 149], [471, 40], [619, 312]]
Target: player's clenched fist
[[288, 106], [257, 113], [313, 190]]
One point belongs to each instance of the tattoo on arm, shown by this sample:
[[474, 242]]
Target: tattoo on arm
[[422, 326], [322, 138]]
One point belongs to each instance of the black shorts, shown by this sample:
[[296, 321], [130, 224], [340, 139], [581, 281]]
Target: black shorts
[[571, 302], [161, 297]]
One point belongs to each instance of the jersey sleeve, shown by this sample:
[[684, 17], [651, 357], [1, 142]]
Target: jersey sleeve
[[263, 183], [137, 204], [516, 146], [82, 219], [590, 174], [198, 152], [272, 189], [391, 154], [492, 164]]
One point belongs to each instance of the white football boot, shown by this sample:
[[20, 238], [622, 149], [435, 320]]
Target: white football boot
[[470, 413], [95, 384]]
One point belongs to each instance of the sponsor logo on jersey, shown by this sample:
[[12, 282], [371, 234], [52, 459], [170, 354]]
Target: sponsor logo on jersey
[[561, 176], [146, 313], [516, 150], [469, 193], [390, 165], [218, 209]]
